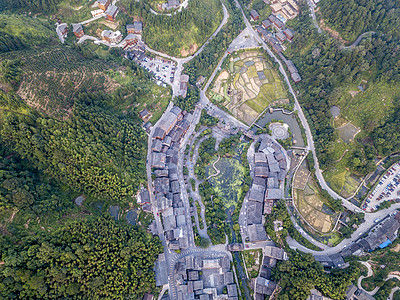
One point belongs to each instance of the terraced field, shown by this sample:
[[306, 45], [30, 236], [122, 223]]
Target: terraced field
[[247, 85]]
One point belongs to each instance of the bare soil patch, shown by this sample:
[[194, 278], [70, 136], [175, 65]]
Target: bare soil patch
[[332, 32]]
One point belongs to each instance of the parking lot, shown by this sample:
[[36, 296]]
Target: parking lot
[[163, 70], [388, 189]]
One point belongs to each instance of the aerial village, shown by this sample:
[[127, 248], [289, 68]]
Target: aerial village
[[207, 273], [133, 44]]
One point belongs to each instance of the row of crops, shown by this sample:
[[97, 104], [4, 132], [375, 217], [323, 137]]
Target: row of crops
[[53, 77]]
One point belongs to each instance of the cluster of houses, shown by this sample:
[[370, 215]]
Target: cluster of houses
[[133, 38], [270, 169], [285, 9], [205, 278], [165, 147], [262, 284], [109, 9], [134, 31], [380, 236], [276, 40]]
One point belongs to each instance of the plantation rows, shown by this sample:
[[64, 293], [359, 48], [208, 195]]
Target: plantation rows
[[52, 78], [53, 91]]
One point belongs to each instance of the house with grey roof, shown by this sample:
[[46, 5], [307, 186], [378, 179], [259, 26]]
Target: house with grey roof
[[256, 233], [232, 290], [255, 195], [254, 212], [273, 194]]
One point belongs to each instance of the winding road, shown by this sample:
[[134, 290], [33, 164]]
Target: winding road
[[358, 40], [181, 61]]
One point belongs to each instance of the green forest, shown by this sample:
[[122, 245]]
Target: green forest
[[69, 127], [301, 273], [326, 68], [94, 152], [204, 63], [81, 261], [354, 17]]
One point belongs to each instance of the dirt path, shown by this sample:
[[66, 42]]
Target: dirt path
[[332, 32]]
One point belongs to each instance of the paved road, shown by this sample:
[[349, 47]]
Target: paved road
[[363, 228], [358, 40], [310, 141], [181, 61], [360, 279], [195, 194], [312, 12], [60, 36], [93, 19], [184, 194]]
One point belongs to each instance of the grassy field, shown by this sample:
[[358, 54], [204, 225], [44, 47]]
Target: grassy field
[[341, 179], [75, 13], [309, 202], [247, 85], [52, 77]]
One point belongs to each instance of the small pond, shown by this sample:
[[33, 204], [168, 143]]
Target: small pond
[[288, 119]]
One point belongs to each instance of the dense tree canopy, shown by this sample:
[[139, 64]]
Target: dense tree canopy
[[301, 273], [95, 151], [34, 6], [171, 34], [91, 259], [354, 17]]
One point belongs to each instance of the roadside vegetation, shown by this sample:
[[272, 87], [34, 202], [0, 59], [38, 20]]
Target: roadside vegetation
[[384, 262], [280, 213], [301, 273], [253, 260], [205, 63]]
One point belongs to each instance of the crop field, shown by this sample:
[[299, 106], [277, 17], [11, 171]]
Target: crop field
[[247, 85], [310, 203], [53, 77]]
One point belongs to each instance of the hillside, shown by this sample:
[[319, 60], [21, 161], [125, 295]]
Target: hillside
[[52, 77], [20, 32], [363, 82], [354, 17], [180, 34], [69, 127]]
